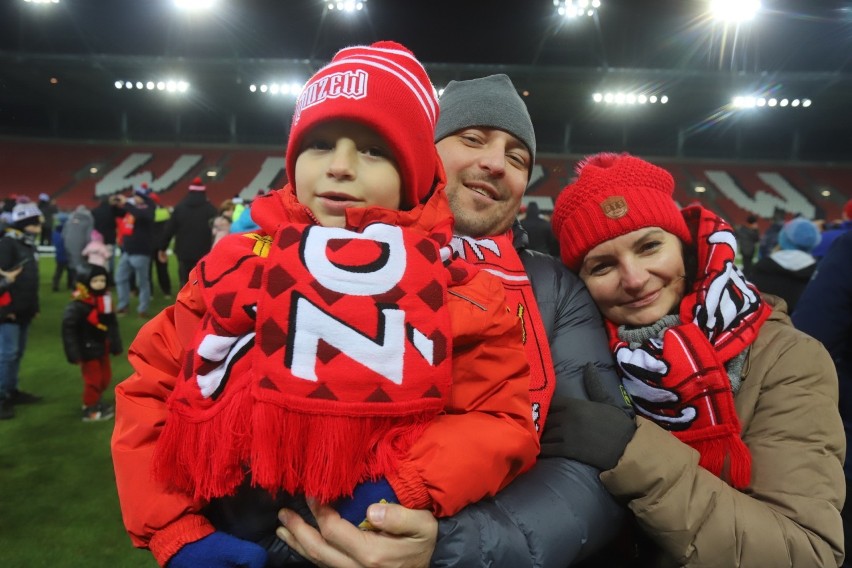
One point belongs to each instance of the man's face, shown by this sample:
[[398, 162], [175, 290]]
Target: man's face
[[487, 172]]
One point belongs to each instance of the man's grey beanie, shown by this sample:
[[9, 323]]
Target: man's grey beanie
[[491, 102]]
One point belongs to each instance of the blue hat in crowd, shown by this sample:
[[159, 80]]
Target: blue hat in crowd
[[799, 234]]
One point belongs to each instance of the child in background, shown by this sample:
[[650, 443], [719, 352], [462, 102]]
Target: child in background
[[220, 227], [96, 252], [89, 334], [341, 349]]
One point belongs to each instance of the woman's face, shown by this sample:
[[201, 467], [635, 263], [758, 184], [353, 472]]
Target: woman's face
[[637, 278]]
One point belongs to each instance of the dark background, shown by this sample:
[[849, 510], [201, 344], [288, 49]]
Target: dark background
[[792, 49]]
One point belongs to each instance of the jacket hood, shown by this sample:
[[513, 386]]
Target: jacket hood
[[791, 261]]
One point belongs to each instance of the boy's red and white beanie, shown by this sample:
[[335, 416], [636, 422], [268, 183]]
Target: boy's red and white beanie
[[614, 194], [197, 185], [382, 86]]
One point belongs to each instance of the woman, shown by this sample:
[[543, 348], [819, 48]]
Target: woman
[[734, 458]]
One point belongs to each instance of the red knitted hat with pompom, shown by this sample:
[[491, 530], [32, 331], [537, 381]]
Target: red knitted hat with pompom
[[382, 86], [197, 185], [614, 194]]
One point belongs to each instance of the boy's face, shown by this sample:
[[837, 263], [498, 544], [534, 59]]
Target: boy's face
[[33, 228], [344, 164], [98, 283]]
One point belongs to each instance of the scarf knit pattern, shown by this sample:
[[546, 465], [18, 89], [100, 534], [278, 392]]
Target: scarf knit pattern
[[324, 353], [679, 380], [498, 256]]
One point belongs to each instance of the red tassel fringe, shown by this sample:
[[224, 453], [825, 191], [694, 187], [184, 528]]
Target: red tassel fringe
[[206, 458], [325, 456], [715, 449]]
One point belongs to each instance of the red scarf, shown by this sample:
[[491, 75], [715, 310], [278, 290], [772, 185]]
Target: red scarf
[[498, 256], [101, 304], [679, 381], [323, 356]]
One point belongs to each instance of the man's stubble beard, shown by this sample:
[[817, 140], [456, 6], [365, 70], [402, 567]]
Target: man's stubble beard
[[470, 224]]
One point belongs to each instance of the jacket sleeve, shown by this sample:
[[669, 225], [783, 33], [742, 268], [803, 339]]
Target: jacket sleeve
[[71, 332], [154, 518], [559, 512], [790, 513], [486, 435], [114, 334]]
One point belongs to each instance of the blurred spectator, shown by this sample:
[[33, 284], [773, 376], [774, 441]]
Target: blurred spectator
[[105, 215], [20, 303], [76, 235], [60, 255], [830, 235], [135, 260], [190, 227], [748, 236], [48, 210], [786, 272], [539, 233], [220, 227], [770, 238], [96, 252], [158, 264]]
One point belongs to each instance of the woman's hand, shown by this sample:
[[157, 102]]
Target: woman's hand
[[402, 537], [11, 274]]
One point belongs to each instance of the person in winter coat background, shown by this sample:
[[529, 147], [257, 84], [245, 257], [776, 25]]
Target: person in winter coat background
[[135, 261], [60, 256], [786, 271], [539, 232], [189, 225], [96, 252], [89, 335], [76, 235], [735, 455], [20, 303], [748, 237], [824, 312]]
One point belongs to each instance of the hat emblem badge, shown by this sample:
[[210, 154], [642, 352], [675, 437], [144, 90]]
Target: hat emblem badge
[[614, 207]]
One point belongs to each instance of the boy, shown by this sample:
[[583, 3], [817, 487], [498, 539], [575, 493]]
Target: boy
[[340, 344], [18, 249], [89, 334]]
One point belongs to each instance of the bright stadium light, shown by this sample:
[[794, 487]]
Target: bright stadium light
[[347, 6], [119, 85], [42, 1], [763, 102], [571, 9], [623, 98], [292, 89], [734, 10], [194, 5]]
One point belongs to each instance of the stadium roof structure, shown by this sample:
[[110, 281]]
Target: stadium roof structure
[[59, 66]]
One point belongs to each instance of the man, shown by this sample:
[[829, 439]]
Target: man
[[748, 237], [558, 512], [190, 226], [137, 227], [19, 302]]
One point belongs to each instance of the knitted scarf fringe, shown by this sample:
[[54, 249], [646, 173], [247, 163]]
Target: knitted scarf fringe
[[325, 457], [206, 458], [718, 447]]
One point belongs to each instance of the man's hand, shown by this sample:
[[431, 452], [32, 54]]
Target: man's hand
[[403, 537], [162, 256]]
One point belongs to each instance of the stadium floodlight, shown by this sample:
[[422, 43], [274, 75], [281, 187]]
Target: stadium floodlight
[[571, 9], [806, 103], [825, 193], [761, 101], [42, 1], [734, 10], [120, 84], [150, 85], [700, 189], [264, 88], [628, 98], [347, 6], [253, 88], [194, 5]]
